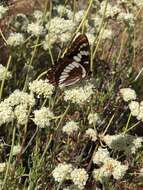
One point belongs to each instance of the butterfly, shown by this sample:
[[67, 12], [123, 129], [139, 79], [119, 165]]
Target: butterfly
[[74, 66]]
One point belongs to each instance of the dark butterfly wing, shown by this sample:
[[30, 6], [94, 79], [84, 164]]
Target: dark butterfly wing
[[80, 47], [73, 66]]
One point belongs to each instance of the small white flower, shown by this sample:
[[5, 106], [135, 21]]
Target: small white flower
[[134, 107], [59, 26], [21, 113], [3, 10], [50, 40], [60, 30], [65, 37], [6, 113], [35, 28], [16, 149], [141, 172], [91, 133], [63, 10], [119, 169], [4, 73], [79, 94], [79, 177], [97, 21], [38, 15], [93, 118], [79, 16], [126, 17], [140, 115], [15, 39], [107, 34], [2, 167], [70, 127], [111, 10], [62, 172], [115, 168], [101, 174], [100, 156], [128, 94], [42, 117], [137, 143], [20, 97], [22, 101], [110, 167], [41, 87]]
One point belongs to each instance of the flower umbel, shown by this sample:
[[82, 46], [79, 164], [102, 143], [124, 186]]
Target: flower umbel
[[15, 39], [3, 10], [79, 95], [4, 73], [70, 127], [79, 177], [91, 133], [42, 117], [128, 94], [41, 87], [62, 172]]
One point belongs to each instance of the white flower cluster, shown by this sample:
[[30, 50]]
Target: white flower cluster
[[79, 95], [2, 167], [65, 11], [100, 155], [38, 15], [111, 10], [122, 142], [3, 10], [6, 113], [79, 177], [59, 30], [16, 107], [93, 118], [129, 3], [42, 117], [107, 34], [141, 172], [91, 133], [62, 172], [35, 28], [15, 39], [126, 17], [4, 74], [110, 167], [66, 171], [128, 94], [70, 127], [41, 88], [20, 97], [21, 113], [16, 149], [135, 107]]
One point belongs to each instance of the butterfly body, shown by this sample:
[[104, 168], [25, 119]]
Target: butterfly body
[[74, 66]]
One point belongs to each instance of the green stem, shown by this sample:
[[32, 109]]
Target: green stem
[[10, 157], [3, 81], [31, 61], [127, 124]]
